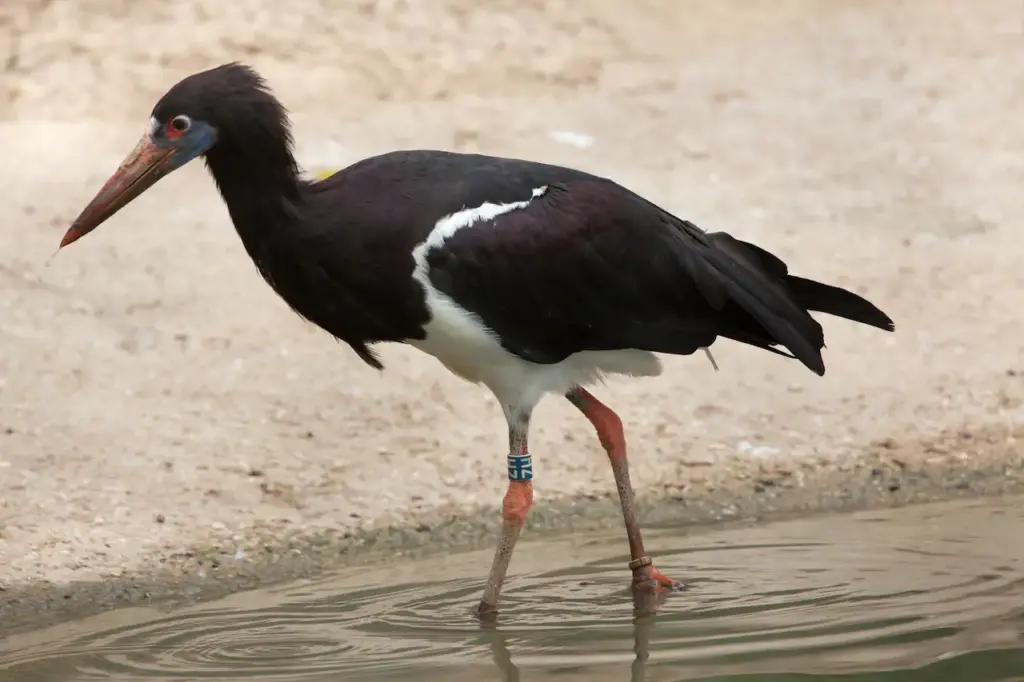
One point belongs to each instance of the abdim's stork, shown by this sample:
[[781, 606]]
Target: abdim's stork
[[525, 277]]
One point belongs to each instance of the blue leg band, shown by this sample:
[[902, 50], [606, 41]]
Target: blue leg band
[[520, 468]]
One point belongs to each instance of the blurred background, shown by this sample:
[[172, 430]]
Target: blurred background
[[155, 394]]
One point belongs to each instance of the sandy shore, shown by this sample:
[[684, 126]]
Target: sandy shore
[[160, 407]]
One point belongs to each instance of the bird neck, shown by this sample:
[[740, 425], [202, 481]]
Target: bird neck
[[261, 186]]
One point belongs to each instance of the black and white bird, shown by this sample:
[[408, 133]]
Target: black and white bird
[[525, 277]]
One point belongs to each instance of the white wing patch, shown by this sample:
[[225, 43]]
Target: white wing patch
[[458, 324], [467, 217]]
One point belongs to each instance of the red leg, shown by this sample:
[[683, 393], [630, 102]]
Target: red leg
[[514, 508], [609, 432]]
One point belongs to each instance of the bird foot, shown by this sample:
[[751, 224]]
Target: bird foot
[[648, 578], [487, 613], [651, 587]]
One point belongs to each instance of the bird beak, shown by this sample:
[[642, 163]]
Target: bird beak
[[146, 164]]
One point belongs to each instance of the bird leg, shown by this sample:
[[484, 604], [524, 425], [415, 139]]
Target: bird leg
[[609, 432], [514, 508]]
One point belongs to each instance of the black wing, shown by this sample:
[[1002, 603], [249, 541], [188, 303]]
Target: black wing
[[347, 264], [587, 266], [592, 266]]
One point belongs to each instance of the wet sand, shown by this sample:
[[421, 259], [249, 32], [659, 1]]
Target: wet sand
[[161, 410]]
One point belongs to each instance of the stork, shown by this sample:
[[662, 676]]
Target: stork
[[528, 278]]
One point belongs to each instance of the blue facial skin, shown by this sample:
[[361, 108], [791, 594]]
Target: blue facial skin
[[199, 137]]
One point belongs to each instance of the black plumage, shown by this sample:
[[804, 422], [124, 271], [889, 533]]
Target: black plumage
[[591, 266], [567, 263]]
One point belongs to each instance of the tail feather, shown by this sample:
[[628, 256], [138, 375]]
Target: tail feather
[[754, 280], [825, 298], [778, 303]]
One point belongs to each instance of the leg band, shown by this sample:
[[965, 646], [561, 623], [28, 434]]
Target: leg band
[[520, 468]]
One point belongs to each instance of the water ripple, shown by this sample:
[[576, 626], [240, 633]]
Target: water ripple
[[923, 588]]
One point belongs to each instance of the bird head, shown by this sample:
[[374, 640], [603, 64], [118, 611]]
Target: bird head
[[186, 123]]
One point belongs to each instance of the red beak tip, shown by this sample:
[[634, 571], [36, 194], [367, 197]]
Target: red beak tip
[[71, 235]]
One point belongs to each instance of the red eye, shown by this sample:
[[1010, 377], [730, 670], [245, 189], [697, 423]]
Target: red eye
[[178, 126]]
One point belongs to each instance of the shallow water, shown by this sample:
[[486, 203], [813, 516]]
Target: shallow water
[[930, 593]]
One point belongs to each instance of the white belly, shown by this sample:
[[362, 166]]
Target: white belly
[[468, 349]]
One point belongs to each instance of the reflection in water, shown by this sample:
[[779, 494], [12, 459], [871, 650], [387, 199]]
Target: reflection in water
[[645, 607], [922, 593]]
